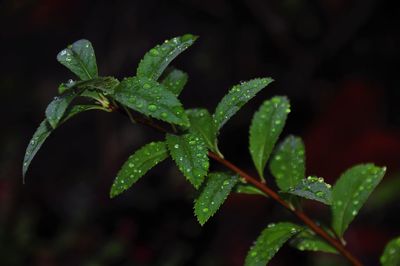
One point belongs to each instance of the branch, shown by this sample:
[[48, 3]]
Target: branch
[[300, 214], [263, 187]]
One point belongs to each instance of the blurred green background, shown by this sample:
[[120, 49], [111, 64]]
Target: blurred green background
[[336, 60]]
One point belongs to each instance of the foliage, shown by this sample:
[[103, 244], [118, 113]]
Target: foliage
[[153, 94]]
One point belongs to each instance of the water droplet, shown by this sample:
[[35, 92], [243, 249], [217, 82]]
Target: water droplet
[[176, 146], [154, 52], [205, 209], [152, 107], [164, 114]]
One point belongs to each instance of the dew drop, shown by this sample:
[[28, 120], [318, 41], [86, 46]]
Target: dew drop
[[152, 107], [154, 52]]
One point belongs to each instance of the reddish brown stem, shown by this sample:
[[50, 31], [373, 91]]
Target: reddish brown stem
[[300, 214], [267, 190]]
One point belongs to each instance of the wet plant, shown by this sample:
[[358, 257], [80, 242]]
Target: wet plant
[[151, 98]]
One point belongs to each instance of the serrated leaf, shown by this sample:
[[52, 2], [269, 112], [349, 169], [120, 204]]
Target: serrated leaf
[[190, 154], [248, 189], [80, 59], [351, 191], [42, 132], [137, 165], [151, 98], [213, 195], [265, 128], [57, 107], [307, 240], [391, 254], [157, 59], [287, 164], [175, 81], [201, 123], [269, 242], [313, 188], [238, 96]]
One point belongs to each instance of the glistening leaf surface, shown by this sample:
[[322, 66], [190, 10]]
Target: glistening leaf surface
[[391, 254], [151, 98], [214, 193], [190, 155], [265, 128], [238, 96], [307, 240], [351, 191], [288, 163], [157, 59], [38, 138], [269, 242], [201, 123], [137, 165], [313, 188], [80, 59], [57, 107], [175, 81]]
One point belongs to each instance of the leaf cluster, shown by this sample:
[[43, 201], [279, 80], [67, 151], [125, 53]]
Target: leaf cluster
[[153, 93]]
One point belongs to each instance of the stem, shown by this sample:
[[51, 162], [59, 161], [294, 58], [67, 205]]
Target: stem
[[300, 214], [267, 190]]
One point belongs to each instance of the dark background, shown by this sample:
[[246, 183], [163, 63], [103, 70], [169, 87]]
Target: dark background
[[337, 61]]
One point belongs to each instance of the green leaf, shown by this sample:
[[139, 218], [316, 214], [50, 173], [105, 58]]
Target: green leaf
[[105, 85], [248, 189], [151, 98], [391, 254], [313, 188], [269, 242], [158, 58], [351, 191], [137, 165], [201, 123], [38, 138], [175, 81], [77, 109], [266, 126], [307, 240], [288, 163], [238, 96], [56, 109], [190, 154], [80, 59], [213, 195]]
